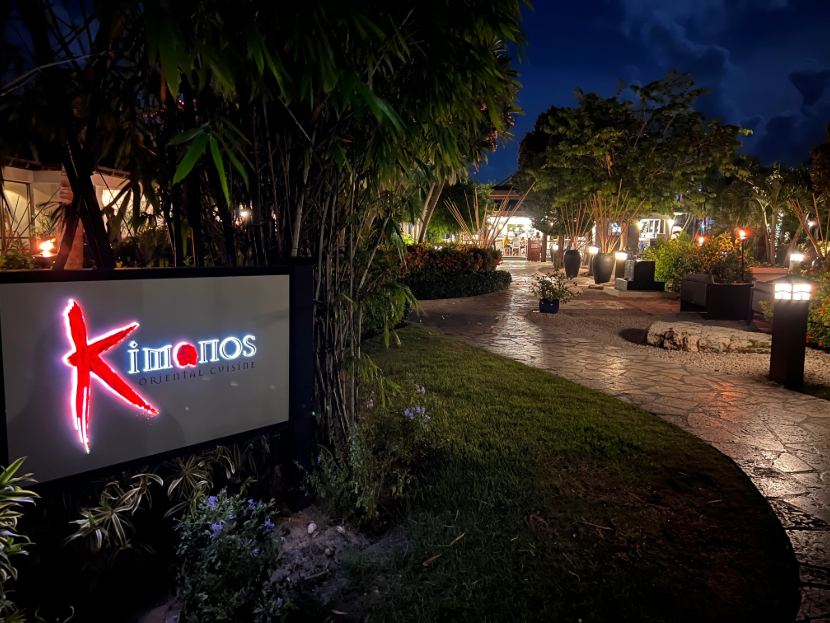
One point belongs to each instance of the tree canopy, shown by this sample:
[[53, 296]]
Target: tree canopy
[[659, 147]]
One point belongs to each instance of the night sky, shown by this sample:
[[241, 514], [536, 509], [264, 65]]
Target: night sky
[[766, 63]]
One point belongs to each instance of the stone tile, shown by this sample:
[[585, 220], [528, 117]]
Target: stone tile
[[812, 547], [815, 604]]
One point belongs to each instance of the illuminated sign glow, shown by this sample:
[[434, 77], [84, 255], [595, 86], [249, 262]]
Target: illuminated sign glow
[[87, 362]]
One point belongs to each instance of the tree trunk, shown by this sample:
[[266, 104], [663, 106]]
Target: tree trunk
[[428, 215], [544, 257]]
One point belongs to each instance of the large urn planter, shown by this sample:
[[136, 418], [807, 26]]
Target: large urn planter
[[572, 262], [818, 263], [603, 267], [549, 307]]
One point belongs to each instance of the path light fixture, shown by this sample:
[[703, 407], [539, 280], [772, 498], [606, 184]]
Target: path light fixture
[[789, 331], [619, 264], [700, 241], [593, 250]]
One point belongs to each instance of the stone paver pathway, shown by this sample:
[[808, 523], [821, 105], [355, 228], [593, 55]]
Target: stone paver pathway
[[781, 439]]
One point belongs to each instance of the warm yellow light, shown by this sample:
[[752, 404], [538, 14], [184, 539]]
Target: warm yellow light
[[47, 246], [801, 291], [621, 255], [593, 250], [811, 223], [796, 257], [671, 223], [742, 234], [641, 224], [701, 240], [783, 291], [556, 247], [243, 213]]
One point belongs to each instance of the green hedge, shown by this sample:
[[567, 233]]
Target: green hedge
[[459, 285]]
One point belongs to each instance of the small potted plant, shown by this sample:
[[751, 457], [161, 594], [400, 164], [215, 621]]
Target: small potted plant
[[552, 290]]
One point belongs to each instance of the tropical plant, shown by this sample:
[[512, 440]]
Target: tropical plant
[[483, 228], [815, 223], [12, 543], [556, 287], [673, 259], [228, 551]]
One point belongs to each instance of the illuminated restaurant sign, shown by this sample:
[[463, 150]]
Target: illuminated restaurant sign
[[97, 372]]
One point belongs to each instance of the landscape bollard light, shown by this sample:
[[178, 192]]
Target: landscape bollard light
[[619, 265], [789, 331], [591, 251]]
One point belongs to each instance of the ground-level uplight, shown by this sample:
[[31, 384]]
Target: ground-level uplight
[[795, 258], [700, 240], [593, 250], [742, 235], [789, 331]]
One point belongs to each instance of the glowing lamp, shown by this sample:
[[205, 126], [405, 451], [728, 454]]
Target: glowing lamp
[[671, 223], [788, 291], [811, 223], [742, 234], [620, 256], [243, 213], [593, 250], [641, 224], [701, 240], [796, 257], [556, 247]]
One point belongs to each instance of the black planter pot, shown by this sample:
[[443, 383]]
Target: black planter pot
[[548, 307], [572, 262], [603, 267]]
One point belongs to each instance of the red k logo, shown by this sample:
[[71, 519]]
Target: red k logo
[[87, 363]]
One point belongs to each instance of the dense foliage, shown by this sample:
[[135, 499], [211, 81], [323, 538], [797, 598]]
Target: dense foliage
[[719, 256], [229, 550], [449, 271], [460, 285], [660, 148]]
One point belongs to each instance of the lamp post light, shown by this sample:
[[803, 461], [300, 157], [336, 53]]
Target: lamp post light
[[742, 235], [795, 258], [700, 241], [789, 331], [619, 264]]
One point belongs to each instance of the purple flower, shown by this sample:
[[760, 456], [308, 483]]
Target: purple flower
[[370, 404], [269, 525], [212, 502], [255, 552], [217, 528]]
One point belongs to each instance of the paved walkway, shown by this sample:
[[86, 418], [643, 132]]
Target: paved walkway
[[781, 439]]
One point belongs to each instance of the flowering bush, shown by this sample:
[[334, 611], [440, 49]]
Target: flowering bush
[[229, 550], [428, 262], [555, 288], [374, 462]]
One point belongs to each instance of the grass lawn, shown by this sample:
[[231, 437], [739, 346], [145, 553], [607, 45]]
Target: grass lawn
[[572, 506]]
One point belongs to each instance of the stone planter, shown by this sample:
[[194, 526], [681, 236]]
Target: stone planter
[[603, 267], [572, 262], [549, 307]]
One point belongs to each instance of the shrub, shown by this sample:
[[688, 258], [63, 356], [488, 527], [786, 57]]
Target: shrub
[[375, 461], [14, 260], [229, 550], [719, 256], [427, 262], [453, 286], [672, 260]]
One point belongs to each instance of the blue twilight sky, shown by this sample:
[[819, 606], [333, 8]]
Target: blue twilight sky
[[766, 63]]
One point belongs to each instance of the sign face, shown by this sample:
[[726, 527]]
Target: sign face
[[97, 373]]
